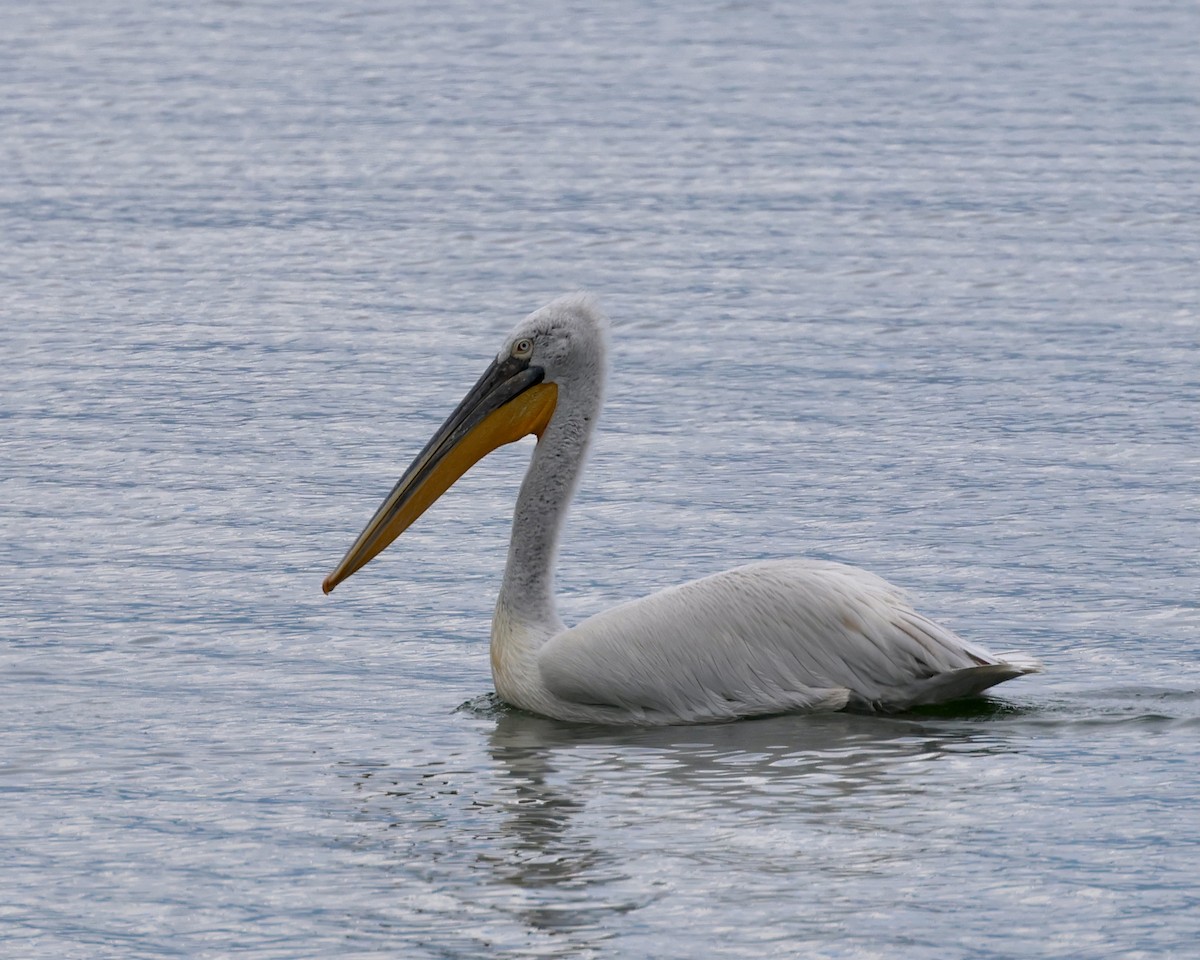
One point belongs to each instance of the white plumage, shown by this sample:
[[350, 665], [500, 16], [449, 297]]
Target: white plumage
[[770, 637]]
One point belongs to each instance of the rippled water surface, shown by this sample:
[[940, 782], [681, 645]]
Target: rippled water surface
[[914, 288]]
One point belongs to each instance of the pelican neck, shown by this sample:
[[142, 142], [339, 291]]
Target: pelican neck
[[527, 593]]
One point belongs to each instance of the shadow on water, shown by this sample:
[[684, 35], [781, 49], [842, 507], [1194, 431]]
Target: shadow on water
[[573, 794], [729, 763], [519, 829], [527, 824]]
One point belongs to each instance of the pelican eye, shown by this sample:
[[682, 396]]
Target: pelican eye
[[523, 349]]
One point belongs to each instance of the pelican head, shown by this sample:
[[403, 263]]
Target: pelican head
[[549, 370]]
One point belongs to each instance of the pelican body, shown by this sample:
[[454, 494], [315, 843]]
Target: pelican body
[[767, 638]]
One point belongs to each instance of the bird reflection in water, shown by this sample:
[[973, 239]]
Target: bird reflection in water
[[559, 832]]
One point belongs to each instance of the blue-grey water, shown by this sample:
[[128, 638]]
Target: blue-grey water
[[913, 286]]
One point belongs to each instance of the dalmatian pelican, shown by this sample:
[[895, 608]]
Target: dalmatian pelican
[[770, 637]]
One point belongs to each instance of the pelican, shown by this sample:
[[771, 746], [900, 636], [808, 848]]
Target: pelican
[[771, 637]]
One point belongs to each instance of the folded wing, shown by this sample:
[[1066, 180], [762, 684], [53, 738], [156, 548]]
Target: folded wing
[[767, 638]]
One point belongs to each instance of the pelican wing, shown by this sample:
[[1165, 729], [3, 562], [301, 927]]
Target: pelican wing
[[766, 638]]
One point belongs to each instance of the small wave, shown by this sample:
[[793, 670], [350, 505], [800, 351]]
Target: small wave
[[488, 706], [1106, 706], [1174, 706]]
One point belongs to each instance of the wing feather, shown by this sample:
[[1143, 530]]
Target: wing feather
[[768, 637]]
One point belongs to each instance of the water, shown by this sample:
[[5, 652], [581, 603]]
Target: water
[[912, 289]]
